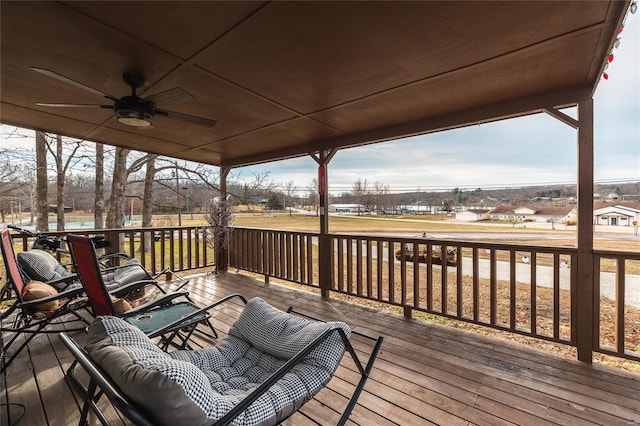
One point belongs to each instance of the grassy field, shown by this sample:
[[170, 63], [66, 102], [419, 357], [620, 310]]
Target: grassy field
[[337, 224], [418, 225]]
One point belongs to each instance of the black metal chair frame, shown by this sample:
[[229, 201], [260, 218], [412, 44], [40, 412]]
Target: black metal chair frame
[[26, 319], [87, 266]]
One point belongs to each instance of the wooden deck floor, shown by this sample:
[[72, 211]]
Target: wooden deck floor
[[425, 374]]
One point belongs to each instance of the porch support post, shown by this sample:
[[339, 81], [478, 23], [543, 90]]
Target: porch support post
[[222, 254], [585, 285], [325, 251]]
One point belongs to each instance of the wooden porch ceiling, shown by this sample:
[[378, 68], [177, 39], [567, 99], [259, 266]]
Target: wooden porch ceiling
[[286, 78]]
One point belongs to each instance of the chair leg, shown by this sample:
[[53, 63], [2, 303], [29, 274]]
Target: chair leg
[[72, 376], [28, 339], [213, 330], [363, 378], [90, 403]]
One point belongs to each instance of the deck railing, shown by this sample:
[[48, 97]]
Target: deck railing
[[287, 255], [619, 291], [517, 288], [176, 248]]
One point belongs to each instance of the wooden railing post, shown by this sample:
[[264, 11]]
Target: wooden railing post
[[113, 237], [324, 264]]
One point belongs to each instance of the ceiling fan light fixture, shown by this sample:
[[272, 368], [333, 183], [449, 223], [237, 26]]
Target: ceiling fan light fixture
[[135, 121], [136, 117]]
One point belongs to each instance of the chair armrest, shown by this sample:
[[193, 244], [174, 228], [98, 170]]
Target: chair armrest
[[163, 299], [68, 279], [119, 255], [115, 268], [136, 285]]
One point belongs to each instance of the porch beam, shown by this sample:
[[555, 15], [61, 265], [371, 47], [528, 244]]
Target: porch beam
[[585, 286], [482, 114], [561, 116]]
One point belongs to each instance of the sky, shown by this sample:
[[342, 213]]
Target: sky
[[532, 150], [511, 153]]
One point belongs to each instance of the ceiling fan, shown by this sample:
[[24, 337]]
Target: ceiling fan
[[133, 110]]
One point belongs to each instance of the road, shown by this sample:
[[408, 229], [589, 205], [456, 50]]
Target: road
[[544, 274]]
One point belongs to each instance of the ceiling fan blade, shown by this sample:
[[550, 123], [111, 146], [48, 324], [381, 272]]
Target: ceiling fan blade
[[67, 80], [200, 121], [172, 95], [74, 105]]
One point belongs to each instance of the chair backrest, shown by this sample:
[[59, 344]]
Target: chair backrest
[[10, 264], [84, 257]]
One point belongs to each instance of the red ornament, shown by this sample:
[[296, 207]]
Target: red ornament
[[605, 76], [610, 58], [620, 29]]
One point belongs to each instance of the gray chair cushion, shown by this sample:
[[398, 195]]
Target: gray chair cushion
[[199, 387], [42, 266], [131, 271]]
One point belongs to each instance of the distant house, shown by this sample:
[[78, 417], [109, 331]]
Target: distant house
[[617, 214], [555, 214], [552, 214], [472, 215], [503, 213]]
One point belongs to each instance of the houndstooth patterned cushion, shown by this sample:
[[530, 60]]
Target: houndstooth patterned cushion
[[42, 266], [199, 387]]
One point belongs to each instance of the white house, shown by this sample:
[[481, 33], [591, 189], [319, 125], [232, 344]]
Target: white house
[[617, 214], [472, 215], [551, 214]]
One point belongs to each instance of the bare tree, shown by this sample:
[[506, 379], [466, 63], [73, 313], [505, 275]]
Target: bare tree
[[289, 190], [62, 169], [98, 209], [42, 193], [380, 195], [147, 201], [12, 183], [361, 192], [313, 195], [115, 210], [121, 172]]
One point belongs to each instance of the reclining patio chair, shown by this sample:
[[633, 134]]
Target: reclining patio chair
[[151, 317], [269, 365], [36, 306]]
